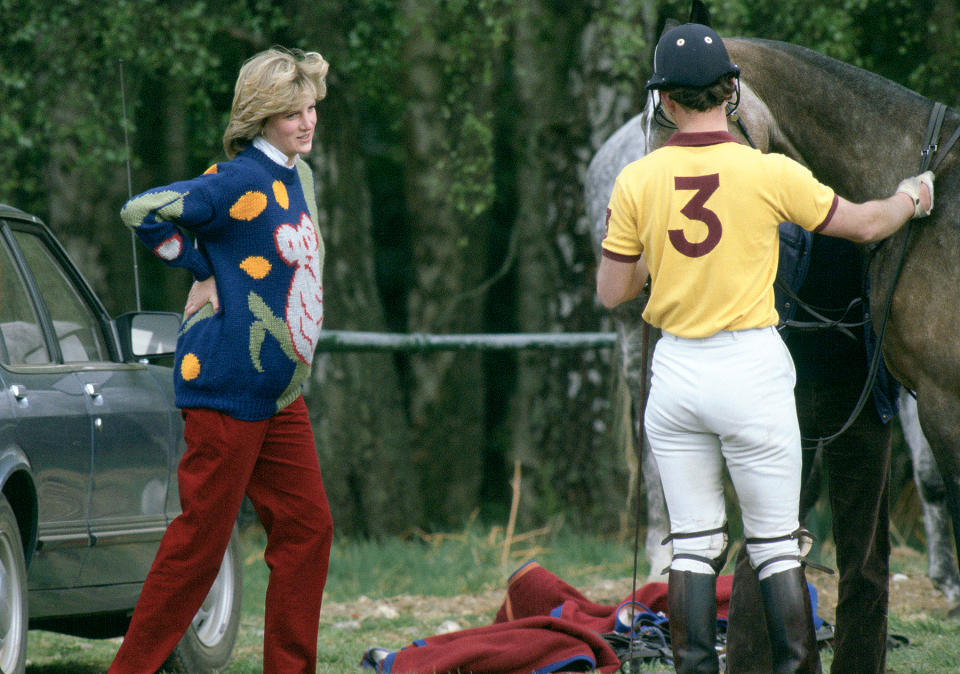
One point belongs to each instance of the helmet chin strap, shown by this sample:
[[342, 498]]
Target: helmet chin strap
[[661, 118], [734, 101]]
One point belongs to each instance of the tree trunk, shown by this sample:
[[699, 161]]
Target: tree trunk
[[563, 431], [449, 251], [355, 402]]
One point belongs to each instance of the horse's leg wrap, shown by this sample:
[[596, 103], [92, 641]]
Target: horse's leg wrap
[[786, 605], [692, 607]]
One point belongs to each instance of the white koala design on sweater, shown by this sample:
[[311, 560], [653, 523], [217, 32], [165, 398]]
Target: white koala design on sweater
[[298, 246]]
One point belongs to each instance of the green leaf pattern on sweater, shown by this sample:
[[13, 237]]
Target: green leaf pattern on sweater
[[266, 322], [167, 204]]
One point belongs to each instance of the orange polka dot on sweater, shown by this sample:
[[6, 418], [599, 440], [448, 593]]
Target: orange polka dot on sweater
[[256, 266], [190, 367], [249, 206], [280, 194]]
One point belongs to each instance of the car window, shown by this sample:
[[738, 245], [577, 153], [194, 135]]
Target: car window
[[78, 330], [21, 338]]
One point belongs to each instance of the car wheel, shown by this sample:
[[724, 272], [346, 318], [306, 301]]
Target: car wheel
[[13, 593], [208, 642]]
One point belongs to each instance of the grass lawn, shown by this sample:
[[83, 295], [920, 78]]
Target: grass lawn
[[391, 592]]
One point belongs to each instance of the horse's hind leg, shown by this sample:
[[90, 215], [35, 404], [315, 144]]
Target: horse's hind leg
[[748, 647], [941, 560], [658, 554]]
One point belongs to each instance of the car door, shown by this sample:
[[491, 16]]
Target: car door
[[129, 420], [50, 425]]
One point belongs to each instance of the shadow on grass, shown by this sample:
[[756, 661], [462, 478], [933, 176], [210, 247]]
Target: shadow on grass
[[65, 666]]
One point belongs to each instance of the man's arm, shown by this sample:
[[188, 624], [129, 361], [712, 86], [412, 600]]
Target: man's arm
[[878, 219], [618, 282]]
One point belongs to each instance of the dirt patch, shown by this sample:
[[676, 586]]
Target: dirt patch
[[426, 609], [911, 595]]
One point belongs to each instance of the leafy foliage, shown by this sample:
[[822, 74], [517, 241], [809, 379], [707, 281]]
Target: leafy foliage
[[62, 134], [59, 73], [59, 65], [913, 43]]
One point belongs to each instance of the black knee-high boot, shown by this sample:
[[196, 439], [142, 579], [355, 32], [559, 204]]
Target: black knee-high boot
[[692, 603], [786, 604]]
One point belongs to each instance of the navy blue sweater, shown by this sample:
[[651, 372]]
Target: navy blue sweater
[[255, 234]]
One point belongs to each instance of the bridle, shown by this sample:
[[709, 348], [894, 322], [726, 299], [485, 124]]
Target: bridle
[[928, 152]]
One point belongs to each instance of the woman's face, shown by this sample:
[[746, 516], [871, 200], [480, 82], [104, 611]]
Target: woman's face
[[292, 132]]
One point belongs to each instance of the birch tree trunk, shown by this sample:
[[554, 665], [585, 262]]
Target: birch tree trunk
[[563, 408]]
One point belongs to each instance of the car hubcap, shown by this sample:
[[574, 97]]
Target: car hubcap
[[10, 609], [213, 617]]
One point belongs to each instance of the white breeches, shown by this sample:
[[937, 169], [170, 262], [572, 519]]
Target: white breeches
[[728, 399]]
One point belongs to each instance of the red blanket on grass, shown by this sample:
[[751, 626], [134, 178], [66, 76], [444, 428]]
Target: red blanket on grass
[[544, 625], [535, 644]]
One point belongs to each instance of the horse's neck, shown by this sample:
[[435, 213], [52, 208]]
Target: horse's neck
[[858, 132]]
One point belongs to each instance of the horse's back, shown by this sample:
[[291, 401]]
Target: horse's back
[[627, 144]]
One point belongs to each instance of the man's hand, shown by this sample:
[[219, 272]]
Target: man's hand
[[922, 198], [201, 293]]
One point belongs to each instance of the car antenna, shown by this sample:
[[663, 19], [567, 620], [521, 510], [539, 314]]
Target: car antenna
[[126, 147]]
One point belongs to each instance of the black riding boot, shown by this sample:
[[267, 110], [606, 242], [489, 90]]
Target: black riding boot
[[692, 600], [786, 604]]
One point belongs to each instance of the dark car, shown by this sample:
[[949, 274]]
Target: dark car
[[89, 447]]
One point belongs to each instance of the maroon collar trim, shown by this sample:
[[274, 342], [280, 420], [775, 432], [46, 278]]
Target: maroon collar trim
[[701, 138]]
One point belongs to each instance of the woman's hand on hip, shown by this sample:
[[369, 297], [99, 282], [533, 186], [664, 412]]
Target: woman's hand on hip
[[201, 293]]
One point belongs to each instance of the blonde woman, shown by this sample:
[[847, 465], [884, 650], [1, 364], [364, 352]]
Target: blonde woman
[[251, 323]]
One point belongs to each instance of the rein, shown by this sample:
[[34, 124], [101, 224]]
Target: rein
[[644, 388]]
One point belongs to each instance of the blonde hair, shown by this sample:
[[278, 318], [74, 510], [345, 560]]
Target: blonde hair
[[270, 83]]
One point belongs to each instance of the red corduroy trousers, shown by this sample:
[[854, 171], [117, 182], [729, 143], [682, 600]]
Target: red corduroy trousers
[[274, 462]]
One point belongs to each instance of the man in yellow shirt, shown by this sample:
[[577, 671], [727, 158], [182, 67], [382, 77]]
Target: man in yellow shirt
[[700, 217]]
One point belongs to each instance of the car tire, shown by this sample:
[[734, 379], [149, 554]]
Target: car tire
[[208, 642], [13, 593]]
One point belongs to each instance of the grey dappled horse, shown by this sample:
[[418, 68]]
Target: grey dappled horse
[[860, 134]]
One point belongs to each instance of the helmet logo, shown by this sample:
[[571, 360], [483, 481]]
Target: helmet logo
[[681, 42], [708, 39]]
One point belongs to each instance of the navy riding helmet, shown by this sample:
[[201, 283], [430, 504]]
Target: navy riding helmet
[[691, 55]]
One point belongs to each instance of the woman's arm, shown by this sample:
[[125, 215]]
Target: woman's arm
[[157, 216]]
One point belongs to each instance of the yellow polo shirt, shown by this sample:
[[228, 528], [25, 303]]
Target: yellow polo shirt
[[704, 210]]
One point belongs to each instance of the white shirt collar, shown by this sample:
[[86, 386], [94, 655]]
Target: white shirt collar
[[271, 151]]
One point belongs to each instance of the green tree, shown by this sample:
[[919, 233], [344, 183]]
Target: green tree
[[449, 157]]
